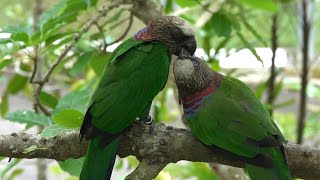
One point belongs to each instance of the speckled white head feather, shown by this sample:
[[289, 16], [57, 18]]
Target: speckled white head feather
[[183, 69]]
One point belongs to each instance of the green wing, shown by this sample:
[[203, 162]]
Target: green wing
[[133, 77], [233, 118]]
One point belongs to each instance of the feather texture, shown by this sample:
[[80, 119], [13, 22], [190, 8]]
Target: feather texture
[[136, 73], [223, 111]]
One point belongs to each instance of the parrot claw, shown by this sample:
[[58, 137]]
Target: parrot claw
[[149, 121]]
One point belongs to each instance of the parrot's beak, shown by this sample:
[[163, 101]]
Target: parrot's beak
[[188, 48], [184, 53]]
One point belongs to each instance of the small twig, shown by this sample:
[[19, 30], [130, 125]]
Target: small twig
[[272, 78], [35, 66], [305, 71], [124, 33], [204, 7], [37, 105], [76, 38], [103, 47], [119, 23]]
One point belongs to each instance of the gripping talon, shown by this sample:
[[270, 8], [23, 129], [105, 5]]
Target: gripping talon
[[149, 121], [151, 127]]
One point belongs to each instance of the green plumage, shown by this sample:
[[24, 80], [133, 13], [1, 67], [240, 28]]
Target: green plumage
[[137, 71], [231, 116], [223, 111]]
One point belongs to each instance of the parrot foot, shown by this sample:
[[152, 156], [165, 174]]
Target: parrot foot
[[149, 121]]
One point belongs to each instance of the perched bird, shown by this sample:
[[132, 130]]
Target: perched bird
[[223, 111], [137, 71]]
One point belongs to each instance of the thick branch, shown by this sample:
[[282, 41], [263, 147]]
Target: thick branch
[[146, 10], [164, 145]]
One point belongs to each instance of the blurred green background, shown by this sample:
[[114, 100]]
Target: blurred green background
[[234, 36]]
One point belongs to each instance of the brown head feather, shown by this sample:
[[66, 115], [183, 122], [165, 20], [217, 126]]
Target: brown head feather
[[192, 75], [174, 32]]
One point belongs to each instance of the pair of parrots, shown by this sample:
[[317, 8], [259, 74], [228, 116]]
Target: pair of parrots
[[220, 111]]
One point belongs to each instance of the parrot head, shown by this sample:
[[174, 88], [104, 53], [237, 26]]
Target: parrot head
[[174, 32], [192, 74]]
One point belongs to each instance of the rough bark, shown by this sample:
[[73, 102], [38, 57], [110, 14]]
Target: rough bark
[[165, 145]]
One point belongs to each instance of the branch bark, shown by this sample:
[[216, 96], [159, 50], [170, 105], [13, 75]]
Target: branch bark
[[272, 78], [165, 145], [305, 71]]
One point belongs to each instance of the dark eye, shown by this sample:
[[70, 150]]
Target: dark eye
[[195, 65]]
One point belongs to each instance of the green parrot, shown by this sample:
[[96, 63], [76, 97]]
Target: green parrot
[[223, 112], [137, 71]]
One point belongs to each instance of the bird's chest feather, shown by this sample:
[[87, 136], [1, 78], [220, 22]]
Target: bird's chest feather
[[192, 103]]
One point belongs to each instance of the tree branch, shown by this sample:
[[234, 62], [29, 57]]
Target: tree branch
[[165, 145], [146, 10]]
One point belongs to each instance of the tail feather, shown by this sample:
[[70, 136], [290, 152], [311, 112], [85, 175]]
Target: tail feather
[[278, 171], [99, 161]]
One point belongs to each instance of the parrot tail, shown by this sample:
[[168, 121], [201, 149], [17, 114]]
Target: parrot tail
[[278, 171], [99, 161]]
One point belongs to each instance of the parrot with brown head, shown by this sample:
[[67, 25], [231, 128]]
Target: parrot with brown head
[[137, 71], [223, 111]]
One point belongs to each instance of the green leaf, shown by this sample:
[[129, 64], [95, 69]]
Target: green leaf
[[187, 3], [91, 2], [99, 61], [169, 6], [4, 104], [253, 31], [8, 167], [54, 130], [77, 100], [48, 99], [115, 17], [268, 5], [52, 47], [72, 166], [284, 104], [68, 118], [221, 24], [197, 170], [19, 33], [15, 173], [5, 63], [30, 149], [249, 46], [82, 62], [278, 88], [53, 25], [5, 41], [64, 13], [54, 11], [222, 44], [17, 83], [58, 36], [260, 89], [29, 117]]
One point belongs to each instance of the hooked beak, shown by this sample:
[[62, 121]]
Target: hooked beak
[[188, 48], [184, 53]]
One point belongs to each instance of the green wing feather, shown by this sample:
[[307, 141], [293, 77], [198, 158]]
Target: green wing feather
[[129, 84], [137, 71], [230, 117]]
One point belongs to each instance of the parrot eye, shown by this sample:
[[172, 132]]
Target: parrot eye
[[195, 65]]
